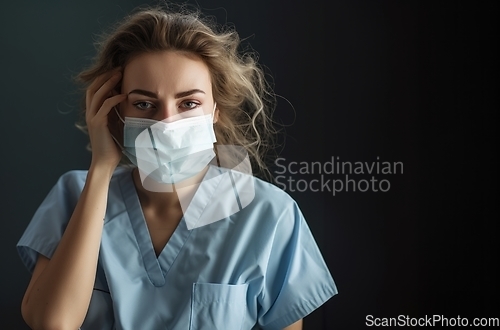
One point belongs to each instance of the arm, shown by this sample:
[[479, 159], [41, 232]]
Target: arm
[[296, 326], [59, 292], [60, 289]]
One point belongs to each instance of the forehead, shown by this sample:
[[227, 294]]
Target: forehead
[[166, 72]]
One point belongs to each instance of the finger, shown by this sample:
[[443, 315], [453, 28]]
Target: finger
[[101, 79], [105, 90], [108, 104], [97, 83], [102, 93]]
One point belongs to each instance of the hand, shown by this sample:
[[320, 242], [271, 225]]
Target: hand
[[100, 100]]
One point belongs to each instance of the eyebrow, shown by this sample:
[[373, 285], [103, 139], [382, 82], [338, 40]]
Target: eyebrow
[[154, 95]]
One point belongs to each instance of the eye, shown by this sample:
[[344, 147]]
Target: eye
[[143, 105], [190, 105]]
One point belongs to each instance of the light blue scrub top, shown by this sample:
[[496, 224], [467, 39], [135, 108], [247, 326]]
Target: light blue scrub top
[[257, 267]]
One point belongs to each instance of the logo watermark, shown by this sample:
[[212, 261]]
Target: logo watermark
[[336, 175], [430, 321]]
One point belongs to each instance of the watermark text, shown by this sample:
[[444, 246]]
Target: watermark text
[[336, 175], [430, 321]]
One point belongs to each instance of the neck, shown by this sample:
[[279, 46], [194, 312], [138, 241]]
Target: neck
[[163, 195]]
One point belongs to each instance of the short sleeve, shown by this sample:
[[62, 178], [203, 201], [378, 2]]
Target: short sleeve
[[297, 279], [51, 218]]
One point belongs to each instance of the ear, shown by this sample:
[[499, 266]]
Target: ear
[[115, 125], [216, 115]]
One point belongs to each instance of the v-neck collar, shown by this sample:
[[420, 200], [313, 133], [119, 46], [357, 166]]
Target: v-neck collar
[[158, 267]]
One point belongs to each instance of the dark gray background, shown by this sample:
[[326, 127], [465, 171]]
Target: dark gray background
[[405, 81]]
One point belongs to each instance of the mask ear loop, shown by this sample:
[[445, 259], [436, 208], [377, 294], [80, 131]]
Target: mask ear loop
[[216, 154], [116, 141], [118, 114]]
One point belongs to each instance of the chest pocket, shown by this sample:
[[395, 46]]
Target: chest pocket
[[218, 306]]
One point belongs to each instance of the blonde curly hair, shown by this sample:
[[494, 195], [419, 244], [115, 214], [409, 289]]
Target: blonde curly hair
[[244, 97]]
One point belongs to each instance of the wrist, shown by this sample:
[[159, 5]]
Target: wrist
[[101, 171]]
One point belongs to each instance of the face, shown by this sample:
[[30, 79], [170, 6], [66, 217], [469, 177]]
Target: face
[[166, 86]]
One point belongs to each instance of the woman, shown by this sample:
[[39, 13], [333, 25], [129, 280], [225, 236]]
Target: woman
[[190, 239]]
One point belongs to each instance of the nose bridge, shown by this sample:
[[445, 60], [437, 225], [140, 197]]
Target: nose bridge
[[166, 110]]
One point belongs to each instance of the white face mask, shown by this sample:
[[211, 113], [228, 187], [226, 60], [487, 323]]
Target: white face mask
[[169, 152]]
